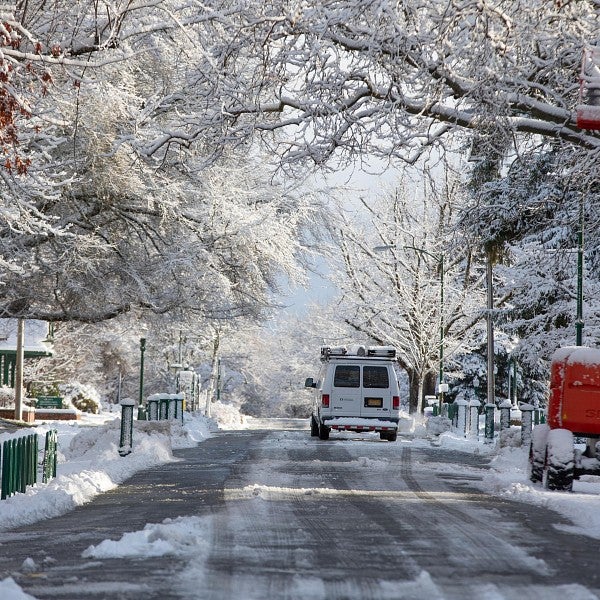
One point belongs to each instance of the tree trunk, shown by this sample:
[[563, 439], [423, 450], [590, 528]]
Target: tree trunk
[[429, 383], [413, 390], [212, 384], [420, 395], [418, 388]]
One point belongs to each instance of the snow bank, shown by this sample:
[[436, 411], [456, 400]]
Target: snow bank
[[438, 425], [228, 416], [10, 590], [89, 463], [180, 536]]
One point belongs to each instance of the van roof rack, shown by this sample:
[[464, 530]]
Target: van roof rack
[[328, 352]]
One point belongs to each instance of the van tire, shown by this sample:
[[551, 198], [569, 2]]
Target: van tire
[[323, 432], [392, 436], [314, 426]]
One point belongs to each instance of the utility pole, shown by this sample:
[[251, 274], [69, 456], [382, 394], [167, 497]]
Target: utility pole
[[19, 369], [442, 387], [579, 316], [142, 350], [489, 409]]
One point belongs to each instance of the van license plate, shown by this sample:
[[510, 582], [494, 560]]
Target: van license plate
[[374, 402]]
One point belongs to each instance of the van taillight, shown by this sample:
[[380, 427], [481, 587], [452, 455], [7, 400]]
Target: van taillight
[[325, 400], [395, 402]]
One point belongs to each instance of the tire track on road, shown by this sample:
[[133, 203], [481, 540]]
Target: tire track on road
[[349, 536]]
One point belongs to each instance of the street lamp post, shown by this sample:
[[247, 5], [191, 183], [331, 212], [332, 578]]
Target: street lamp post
[[442, 387], [141, 398], [119, 383], [491, 385], [579, 316], [19, 369]]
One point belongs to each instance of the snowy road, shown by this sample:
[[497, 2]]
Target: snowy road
[[278, 514]]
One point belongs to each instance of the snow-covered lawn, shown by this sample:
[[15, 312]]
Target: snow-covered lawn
[[89, 464]]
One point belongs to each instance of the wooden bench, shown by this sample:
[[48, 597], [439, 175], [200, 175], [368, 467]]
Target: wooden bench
[[49, 402]]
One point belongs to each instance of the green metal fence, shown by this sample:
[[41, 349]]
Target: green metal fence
[[19, 462]]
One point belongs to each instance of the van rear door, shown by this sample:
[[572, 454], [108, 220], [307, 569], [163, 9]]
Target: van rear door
[[346, 391], [376, 391]]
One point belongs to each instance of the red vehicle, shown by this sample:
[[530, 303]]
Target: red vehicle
[[573, 411]]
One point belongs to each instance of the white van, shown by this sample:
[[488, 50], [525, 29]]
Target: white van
[[356, 390]]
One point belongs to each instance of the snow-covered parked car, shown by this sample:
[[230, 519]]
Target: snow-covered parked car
[[356, 390]]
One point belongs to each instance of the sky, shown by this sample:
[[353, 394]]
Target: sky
[[89, 464]]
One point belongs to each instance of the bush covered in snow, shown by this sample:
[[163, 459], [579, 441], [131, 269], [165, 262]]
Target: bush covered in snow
[[83, 397]]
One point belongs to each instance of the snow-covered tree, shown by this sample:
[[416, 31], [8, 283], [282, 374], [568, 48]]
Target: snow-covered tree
[[137, 99], [112, 114], [533, 215], [351, 78], [111, 209], [217, 250], [393, 270]]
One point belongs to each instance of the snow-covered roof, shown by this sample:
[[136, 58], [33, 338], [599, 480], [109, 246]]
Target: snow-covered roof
[[36, 336], [582, 355]]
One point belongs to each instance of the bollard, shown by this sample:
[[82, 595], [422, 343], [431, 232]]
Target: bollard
[[153, 402], [461, 416], [526, 424], [50, 456], [126, 441], [163, 413], [505, 414], [452, 412], [489, 423], [474, 406], [177, 400], [142, 415], [435, 410], [172, 413]]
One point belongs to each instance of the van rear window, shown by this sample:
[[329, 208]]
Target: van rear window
[[347, 376], [376, 377]]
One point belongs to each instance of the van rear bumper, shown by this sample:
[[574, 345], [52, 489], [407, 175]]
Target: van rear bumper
[[361, 423]]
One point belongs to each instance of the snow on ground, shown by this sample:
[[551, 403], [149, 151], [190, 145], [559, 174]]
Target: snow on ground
[[89, 464]]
